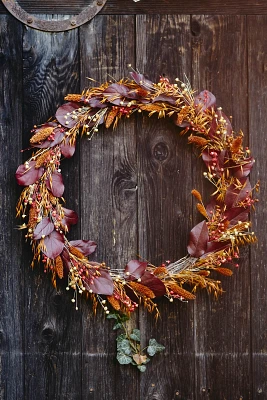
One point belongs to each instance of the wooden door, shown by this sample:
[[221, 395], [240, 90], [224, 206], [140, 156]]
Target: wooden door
[[131, 188]]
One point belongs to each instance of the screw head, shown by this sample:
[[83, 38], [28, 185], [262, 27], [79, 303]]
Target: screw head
[[30, 20], [73, 23], [99, 3]]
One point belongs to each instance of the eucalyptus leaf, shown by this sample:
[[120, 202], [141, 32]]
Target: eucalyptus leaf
[[135, 335], [141, 368], [154, 347], [117, 326], [123, 358]]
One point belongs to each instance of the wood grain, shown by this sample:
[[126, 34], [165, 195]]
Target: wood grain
[[147, 7], [223, 371], [53, 326], [108, 198], [257, 99], [11, 282], [165, 206]]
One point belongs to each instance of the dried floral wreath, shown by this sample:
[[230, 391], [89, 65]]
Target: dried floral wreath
[[213, 243]]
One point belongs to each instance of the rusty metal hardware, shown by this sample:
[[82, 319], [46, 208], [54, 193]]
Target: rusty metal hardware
[[54, 26]]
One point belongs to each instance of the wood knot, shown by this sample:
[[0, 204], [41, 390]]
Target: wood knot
[[195, 28], [161, 151], [48, 335]]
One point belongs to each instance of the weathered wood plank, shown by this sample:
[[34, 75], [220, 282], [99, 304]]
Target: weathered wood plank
[[165, 206], [222, 327], [52, 342], [11, 282], [108, 199], [146, 7], [257, 100]]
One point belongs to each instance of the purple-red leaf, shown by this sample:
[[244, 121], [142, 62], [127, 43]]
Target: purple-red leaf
[[63, 111], [135, 269], [54, 244], [153, 283], [86, 247], [70, 217], [205, 100], [95, 102], [213, 247], [27, 176], [55, 184], [244, 170], [142, 81], [67, 149], [165, 98], [235, 214], [45, 227], [66, 259], [198, 239], [102, 284], [234, 195]]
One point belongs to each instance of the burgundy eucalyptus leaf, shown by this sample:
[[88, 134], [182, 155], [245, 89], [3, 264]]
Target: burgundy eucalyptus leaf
[[86, 247], [26, 176], [54, 244], [165, 99], [134, 269], [205, 100], [153, 283], [213, 247], [102, 284], [142, 81], [63, 111], [55, 184], [45, 227], [234, 195], [67, 149], [244, 170], [95, 102], [115, 93], [236, 214], [198, 239], [66, 259], [70, 217]]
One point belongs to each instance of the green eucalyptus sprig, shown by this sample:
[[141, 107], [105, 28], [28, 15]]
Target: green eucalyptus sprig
[[129, 349]]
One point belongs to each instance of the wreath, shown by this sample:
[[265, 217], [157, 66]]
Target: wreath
[[213, 243]]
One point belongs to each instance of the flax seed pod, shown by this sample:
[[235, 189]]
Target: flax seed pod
[[76, 252], [197, 140], [196, 194], [236, 144], [114, 302], [73, 97], [111, 116], [202, 210], [33, 214], [41, 160], [151, 107], [181, 292], [142, 289], [41, 135], [160, 271], [59, 267], [224, 271]]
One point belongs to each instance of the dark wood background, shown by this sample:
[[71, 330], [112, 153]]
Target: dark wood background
[[215, 350]]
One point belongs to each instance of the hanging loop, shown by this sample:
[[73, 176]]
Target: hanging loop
[[54, 26]]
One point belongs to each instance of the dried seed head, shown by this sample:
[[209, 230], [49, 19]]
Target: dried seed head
[[111, 116], [224, 271], [160, 271], [236, 144], [202, 210], [181, 292], [33, 214], [142, 290], [59, 267], [198, 141], [41, 160], [73, 97], [41, 135], [114, 302], [196, 194], [76, 252]]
